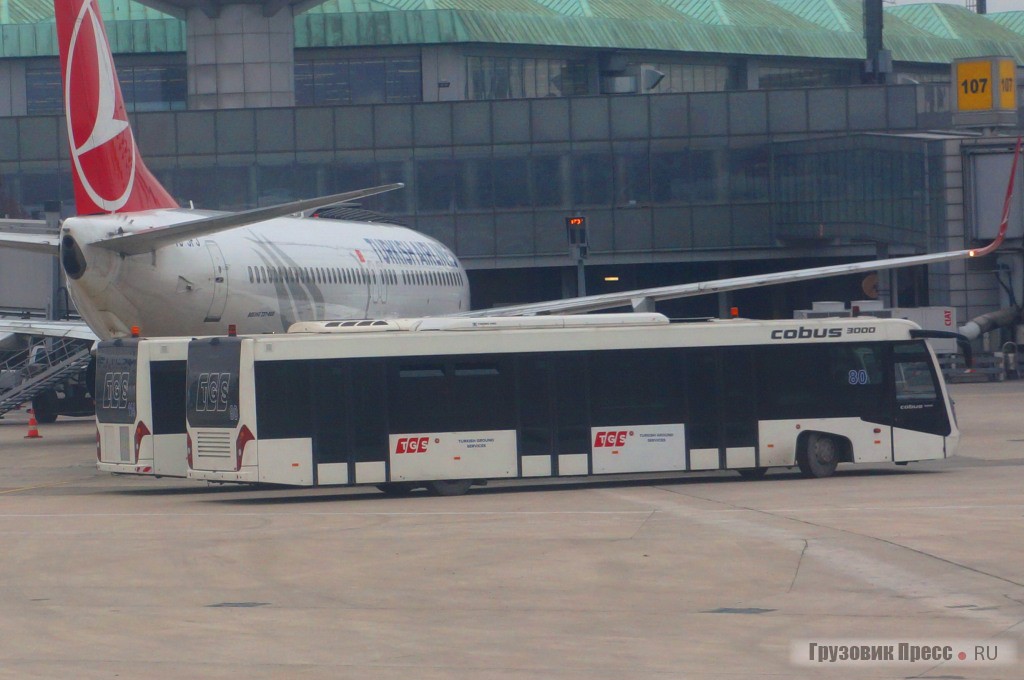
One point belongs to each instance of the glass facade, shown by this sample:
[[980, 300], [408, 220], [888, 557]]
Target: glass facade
[[779, 77], [44, 93], [145, 87], [669, 173], [694, 77], [522, 78], [364, 80], [857, 188]]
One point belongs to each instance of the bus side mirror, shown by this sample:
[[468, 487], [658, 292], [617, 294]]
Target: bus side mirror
[[961, 341]]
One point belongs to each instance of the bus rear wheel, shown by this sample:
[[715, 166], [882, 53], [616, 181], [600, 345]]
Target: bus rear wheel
[[46, 406], [450, 487], [819, 455]]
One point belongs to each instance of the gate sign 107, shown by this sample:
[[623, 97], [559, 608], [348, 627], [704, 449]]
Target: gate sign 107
[[984, 91]]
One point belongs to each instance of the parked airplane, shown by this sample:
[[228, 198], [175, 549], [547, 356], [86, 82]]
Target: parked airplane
[[134, 258]]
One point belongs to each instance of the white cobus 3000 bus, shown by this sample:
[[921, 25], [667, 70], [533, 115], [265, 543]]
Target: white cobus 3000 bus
[[445, 403], [140, 406]]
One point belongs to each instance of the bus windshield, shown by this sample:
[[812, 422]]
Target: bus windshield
[[116, 366], [212, 382]]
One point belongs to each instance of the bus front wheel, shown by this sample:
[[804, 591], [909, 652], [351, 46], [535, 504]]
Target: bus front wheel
[[450, 487], [396, 488], [819, 455]]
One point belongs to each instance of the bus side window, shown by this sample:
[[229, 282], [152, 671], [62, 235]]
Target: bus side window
[[637, 387], [167, 385], [482, 395], [915, 380], [418, 390], [283, 407]]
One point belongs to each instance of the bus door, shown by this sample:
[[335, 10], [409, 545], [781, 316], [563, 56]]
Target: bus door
[[722, 427], [349, 420], [920, 422], [554, 430], [167, 392]]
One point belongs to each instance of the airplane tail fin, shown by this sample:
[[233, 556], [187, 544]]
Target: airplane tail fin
[[109, 175]]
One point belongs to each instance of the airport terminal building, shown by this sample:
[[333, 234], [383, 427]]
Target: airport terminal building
[[699, 138]]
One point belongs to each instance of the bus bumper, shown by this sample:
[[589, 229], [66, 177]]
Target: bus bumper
[[140, 468], [952, 443], [247, 475]]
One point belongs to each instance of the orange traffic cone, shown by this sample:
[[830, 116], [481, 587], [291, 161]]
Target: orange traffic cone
[[33, 427]]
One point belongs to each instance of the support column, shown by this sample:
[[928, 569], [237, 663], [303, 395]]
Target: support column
[[241, 58]]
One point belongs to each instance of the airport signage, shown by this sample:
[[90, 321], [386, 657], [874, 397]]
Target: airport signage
[[984, 91]]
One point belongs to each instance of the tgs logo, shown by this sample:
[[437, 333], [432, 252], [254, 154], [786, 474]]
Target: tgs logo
[[412, 445], [615, 438]]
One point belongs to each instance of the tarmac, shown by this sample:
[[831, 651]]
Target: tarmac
[[700, 576]]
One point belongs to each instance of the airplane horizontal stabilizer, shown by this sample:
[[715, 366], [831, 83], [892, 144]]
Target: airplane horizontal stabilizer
[[35, 243], [151, 239], [49, 329]]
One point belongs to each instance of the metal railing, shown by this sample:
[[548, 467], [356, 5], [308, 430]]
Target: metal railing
[[38, 368]]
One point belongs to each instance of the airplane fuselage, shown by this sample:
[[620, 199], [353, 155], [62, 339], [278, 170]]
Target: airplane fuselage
[[261, 278]]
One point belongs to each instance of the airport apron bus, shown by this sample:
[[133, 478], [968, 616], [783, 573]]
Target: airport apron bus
[[140, 407], [446, 403]]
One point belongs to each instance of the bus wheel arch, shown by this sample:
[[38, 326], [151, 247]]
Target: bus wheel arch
[[818, 453], [449, 487], [397, 488]]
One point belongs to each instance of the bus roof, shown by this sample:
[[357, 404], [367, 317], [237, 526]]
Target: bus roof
[[432, 337]]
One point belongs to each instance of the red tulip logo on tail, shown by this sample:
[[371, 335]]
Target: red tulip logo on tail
[[109, 173]]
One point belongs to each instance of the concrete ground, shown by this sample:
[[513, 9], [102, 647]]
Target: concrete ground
[[691, 577]]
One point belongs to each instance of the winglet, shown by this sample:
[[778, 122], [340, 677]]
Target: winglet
[[998, 241]]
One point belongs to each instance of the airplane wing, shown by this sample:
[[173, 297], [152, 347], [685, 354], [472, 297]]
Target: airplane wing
[[51, 329], [150, 239], [637, 298], [640, 299], [47, 244]]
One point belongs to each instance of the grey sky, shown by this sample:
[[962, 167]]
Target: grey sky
[[993, 5]]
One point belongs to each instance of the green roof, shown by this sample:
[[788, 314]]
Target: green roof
[[952, 21], [27, 28], [754, 13], [925, 33], [1013, 21]]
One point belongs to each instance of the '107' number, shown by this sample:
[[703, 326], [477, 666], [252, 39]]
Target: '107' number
[[974, 85]]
